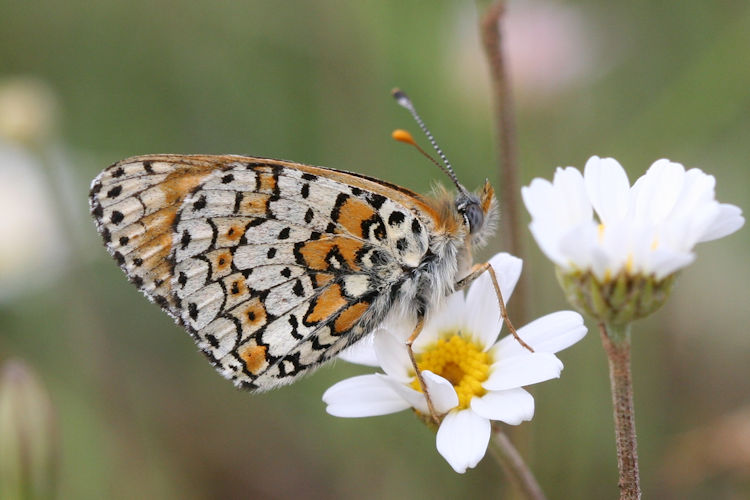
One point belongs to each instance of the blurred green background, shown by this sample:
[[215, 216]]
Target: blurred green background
[[140, 413]]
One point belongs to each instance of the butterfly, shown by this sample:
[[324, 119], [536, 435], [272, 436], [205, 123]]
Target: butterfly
[[275, 267]]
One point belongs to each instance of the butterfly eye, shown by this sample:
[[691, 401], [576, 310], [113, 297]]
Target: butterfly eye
[[474, 217]]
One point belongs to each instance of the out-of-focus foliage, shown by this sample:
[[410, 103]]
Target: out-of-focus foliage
[[142, 415]]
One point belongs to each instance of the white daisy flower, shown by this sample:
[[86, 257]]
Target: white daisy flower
[[471, 377], [31, 236], [597, 222]]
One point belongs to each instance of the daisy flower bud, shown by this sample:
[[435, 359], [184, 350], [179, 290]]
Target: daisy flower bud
[[28, 435]]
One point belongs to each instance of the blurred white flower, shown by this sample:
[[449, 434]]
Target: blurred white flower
[[32, 246], [598, 223], [27, 110], [471, 378]]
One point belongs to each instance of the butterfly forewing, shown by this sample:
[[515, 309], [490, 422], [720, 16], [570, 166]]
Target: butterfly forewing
[[272, 266]]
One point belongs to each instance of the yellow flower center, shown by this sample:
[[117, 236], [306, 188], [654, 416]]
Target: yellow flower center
[[461, 362]]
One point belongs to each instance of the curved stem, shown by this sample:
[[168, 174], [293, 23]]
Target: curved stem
[[616, 342], [514, 466]]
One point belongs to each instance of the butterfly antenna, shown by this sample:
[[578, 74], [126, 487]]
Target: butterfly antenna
[[403, 100], [405, 137]]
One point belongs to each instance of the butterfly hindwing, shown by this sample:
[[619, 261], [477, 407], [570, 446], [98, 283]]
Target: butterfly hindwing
[[272, 266], [306, 255]]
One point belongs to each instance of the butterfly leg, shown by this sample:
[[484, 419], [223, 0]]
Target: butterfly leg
[[477, 271], [420, 378]]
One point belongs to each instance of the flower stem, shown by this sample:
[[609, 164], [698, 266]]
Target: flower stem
[[616, 342], [507, 143], [514, 466]]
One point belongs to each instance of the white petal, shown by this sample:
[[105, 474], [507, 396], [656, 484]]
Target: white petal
[[728, 220], [393, 356], [523, 370], [698, 189], [363, 396], [664, 262], [538, 197], [442, 392], [512, 406], [462, 439], [555, 208], [579, 245], [550, 333], [448, 317], [573, 204], [362, 352], [507, 270], [547, 236], [482, 311], [654, 194], [684, 231], [607, 186]]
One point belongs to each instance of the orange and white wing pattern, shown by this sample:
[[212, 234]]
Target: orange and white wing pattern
[[274, 267]]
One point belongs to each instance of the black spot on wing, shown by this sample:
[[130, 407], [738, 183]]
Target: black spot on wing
[[200, 203], [376, 200], [237, 201], [185, 240], [119, 258], [396, 218], [114, 192]]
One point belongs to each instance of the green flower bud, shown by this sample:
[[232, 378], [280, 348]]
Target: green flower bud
[[28, 435], [617, 301]]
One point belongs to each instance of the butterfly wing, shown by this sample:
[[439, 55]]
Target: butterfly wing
[[272, 266]]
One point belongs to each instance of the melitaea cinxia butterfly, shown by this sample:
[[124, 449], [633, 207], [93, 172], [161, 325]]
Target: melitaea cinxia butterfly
[[274, 267]]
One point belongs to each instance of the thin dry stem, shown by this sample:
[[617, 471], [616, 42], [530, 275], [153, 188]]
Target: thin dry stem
[[617, 346], [514, 466], [510, 223]]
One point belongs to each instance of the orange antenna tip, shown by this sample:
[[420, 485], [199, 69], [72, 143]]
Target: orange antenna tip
[[403, 136]]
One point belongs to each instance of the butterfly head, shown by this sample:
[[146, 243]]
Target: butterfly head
[[478, 212]]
